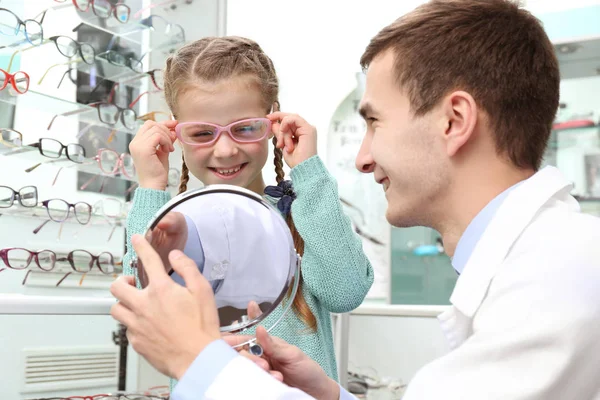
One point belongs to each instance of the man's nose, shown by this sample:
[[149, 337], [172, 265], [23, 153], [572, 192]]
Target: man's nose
[[364, 160]]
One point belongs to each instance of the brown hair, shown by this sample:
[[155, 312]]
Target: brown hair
[[215, 58], [494, 50]]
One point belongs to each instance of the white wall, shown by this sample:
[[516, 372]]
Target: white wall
[[315, 46]]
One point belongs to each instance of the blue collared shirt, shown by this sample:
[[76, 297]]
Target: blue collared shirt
[[475, 229], [205, 369]]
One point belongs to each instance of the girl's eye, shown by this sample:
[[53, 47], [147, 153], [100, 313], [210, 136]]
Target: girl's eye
[[244, 129], [201, 133]]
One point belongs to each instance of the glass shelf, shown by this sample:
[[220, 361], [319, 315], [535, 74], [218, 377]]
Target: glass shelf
[[577, 129], [131, 31], [62, 267], [41, 213], [6, 41], [32, 154], [101, 70], [56, 106], [586, 137], [590, 205], [54, 305]]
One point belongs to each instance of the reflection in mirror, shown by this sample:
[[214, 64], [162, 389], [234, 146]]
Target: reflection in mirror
[[240, 243]]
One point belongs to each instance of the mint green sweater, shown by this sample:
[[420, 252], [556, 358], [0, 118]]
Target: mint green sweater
[[337, 274]]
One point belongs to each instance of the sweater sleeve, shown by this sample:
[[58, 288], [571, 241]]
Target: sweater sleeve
[[146, 202], [335, 268]]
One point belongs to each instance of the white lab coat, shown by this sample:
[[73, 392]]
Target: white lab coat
[[525, 316]]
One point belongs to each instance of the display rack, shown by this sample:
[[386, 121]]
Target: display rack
[[18, 304], [57, 106]]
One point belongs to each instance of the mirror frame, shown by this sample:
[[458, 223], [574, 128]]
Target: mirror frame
[[293, 275]]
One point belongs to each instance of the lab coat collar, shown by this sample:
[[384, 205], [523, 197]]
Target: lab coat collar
[[513, 216]]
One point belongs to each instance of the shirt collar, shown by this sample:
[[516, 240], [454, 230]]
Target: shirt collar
[[475, 229]]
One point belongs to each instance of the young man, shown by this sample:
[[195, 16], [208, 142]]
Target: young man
[[460, 97]]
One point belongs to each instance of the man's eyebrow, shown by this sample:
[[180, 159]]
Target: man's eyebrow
[[365, 109]]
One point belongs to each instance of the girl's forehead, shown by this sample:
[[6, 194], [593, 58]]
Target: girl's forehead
[[220, 106]]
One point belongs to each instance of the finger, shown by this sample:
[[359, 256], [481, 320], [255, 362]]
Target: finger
[[275, 129], [170, 132], [156, 138], [277, 375], [123, 291], [277, 116], [261, 362], [122, 314], [254, 310], [129, 279], [153, 265], [289, 128], [169, 124], [171, 222], [266, 341], [197, 285], [163, 138], [280, 140], [146, 126]]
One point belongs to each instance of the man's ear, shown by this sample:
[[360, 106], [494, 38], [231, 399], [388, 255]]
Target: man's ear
[[460, 110]]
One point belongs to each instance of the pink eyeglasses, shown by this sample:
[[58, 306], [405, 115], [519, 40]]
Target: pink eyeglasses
[[205, 134], [110, 162]]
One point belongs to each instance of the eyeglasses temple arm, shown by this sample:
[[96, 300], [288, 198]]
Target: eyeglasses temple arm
[[85, 185], [63, 278], [39, 228], [53, 66], [74, 112], [12, 57], [26, 276]]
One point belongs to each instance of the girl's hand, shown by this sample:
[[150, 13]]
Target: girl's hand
[[295, 136], [150, 150]]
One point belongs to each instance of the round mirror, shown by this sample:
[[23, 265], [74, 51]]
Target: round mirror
[[241, 245]]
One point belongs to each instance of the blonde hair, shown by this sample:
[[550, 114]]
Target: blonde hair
[[215, 58]]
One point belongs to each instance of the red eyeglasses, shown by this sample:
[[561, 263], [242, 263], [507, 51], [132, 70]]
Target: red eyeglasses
[[103, 9], [19, 81]]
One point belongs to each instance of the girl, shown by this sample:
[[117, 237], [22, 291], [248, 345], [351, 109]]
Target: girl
[[230, 81]]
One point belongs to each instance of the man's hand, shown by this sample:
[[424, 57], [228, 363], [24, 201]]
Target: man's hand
[[289, 364], [168, 324]]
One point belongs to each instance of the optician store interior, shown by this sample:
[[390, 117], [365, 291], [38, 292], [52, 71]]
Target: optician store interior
[[80, 78]]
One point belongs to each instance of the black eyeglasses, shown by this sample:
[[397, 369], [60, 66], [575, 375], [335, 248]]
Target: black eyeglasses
[[52, 148], [27, 196], [69, 47], [121, 60], [103, 9], [110, 114], [160, 24], [71, 73]]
